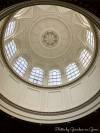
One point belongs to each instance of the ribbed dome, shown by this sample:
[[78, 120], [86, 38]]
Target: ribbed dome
[[48, 45]]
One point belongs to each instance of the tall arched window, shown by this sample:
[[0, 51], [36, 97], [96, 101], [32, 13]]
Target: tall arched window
[[84, 21], [72, 71], [10, 49], [20, 66], [10, 29], [36, 76], [54, 77], [85, 58], [90, 39]]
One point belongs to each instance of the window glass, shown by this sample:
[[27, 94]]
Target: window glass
[[90, 39], [20, 66], [72, 71], [85, 58], [54, 77], [10, 29], [10, 49], [36, 76]]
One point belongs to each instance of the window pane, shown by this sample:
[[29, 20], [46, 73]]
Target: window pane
[[54, 77], [85, 58], [36, 76], [90, 39], [20, 66], [72, 71], [10, 49], [10, 29]]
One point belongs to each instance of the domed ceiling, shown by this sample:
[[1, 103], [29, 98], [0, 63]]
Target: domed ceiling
[[47, 45], [49, 62]]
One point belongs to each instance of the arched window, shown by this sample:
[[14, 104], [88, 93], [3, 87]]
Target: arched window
[[90, 39], [72, 71], [84, 20], [10, 29], [54, 77], [36, 76], [85, 58], [20, 66], [10, 49]]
